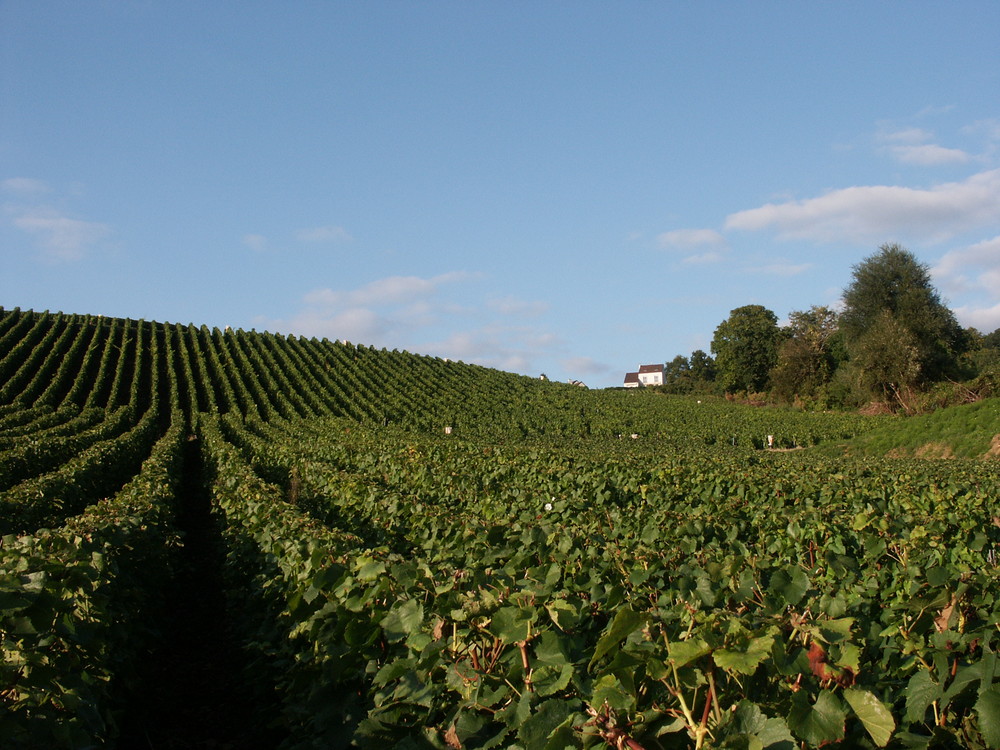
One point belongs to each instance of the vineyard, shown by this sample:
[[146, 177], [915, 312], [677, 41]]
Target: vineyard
[[420, 553]]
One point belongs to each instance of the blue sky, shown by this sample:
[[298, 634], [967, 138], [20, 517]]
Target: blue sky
[[569, 188]]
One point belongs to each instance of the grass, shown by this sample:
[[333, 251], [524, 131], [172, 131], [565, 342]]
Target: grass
[[966, 431]]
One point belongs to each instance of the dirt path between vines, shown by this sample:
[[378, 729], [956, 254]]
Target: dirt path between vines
[[194, 691]]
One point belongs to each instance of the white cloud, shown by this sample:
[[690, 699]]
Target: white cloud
[[511, 306], [929, 155], [512, 348], [867, 214], [784, 269], [913, 146], [973, 272], [413, 313], [323, 234], [60, 237], [908, 136], [586, 366], [984, 254], [256, 242], [392, 290], [687, 239], [357, 324], [24, 186], [983, 319], [385, 312], [703, 259], [987, 130]]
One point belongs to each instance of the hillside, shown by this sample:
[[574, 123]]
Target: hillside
[[966, 431], [218, 538], [64, 363]]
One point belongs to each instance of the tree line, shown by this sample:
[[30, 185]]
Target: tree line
[[893, 345]]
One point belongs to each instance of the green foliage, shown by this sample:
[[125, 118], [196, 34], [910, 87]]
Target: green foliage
[[537, 578], [746, 348], [886, 359], [893, 282], [966, 431], [806, 361]]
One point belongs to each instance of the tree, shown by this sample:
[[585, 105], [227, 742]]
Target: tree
[[688, 375], [677, 375], [893, 281], [887, 359], [702, 367], [746, 348], [805, 358]]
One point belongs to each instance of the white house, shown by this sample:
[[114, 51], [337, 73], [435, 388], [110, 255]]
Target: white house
[[651, 374], [647, 375]]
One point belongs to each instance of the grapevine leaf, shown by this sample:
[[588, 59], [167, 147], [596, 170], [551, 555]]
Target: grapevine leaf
[[819, 723], [403, 620], [549, 680], [626, 621], [544, 720], [921, 691], [685, 652], [549, 650], [964, 677], [873, 714], [776, 735], [989, 666], [747, 717], [746, 659], [511, 624], [563, 614], [988, 711], [790, 584], [609, 690]]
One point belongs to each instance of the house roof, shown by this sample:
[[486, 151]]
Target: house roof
[[631, 377], [650, 368]]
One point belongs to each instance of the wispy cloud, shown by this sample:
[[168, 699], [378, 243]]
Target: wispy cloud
[[59, 237], [505, 347], [256, 242], [703, 259], [422, 314], [973, 271], [323, 234], [930, 155], [705, 246], [385, 312], [866, 214], [690, 239], [984, 319], [783, 269], [512, 306], [582, 366], [916, 146], [392, 290], [24, 186]]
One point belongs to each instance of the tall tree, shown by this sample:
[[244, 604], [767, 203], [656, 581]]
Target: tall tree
[[893, 281], [887, 359], [677, 375], [702, 367], [746, 348], [805, 359]]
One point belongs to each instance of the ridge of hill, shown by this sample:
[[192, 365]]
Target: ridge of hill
[[52, 361]]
